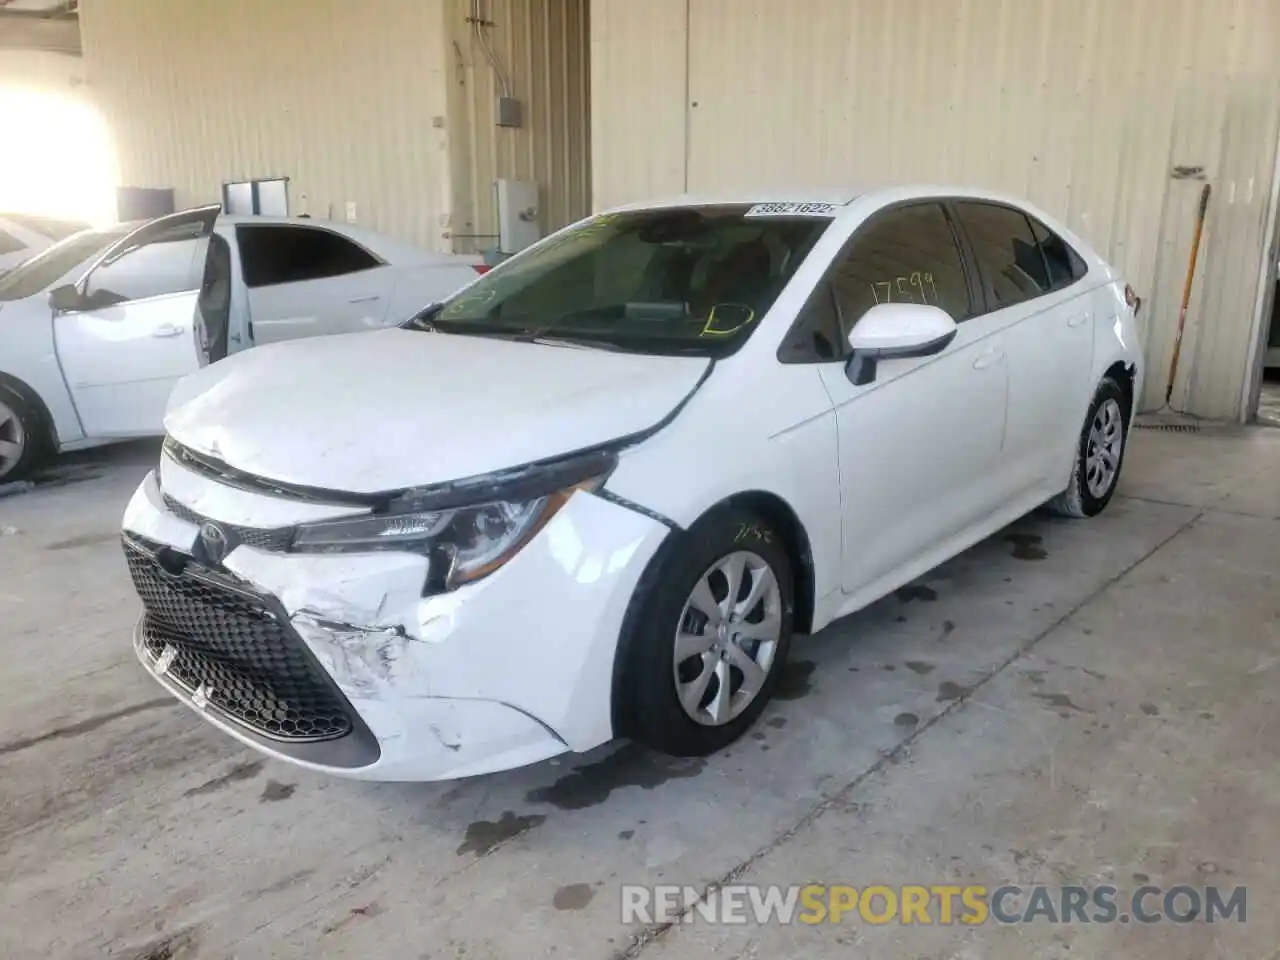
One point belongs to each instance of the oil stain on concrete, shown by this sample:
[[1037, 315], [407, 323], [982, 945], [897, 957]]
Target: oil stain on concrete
[[777, 722], [1026, 546], [241, 771], [176, 946], [483, 835], [906, 720], [794, 681], [921, 667], [85, 540], [631, 766], [916, 591], [573, 896], [949, 690], [1059, 700], [275, 791]]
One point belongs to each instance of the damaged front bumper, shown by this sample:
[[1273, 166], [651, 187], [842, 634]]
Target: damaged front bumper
[[277, 648]]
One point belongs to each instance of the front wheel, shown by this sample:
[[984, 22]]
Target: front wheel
[[1099, 454], [20, 437], [711, 637]]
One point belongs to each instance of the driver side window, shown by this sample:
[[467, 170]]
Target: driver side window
[[163, 265], [906, 255]]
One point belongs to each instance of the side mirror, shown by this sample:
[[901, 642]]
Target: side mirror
[[423, 318], [65, 298], [893, 331]]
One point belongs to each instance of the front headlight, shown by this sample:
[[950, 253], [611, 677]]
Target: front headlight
[[463, 543]]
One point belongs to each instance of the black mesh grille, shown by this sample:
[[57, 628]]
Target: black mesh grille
[[276, 540], [219, 637]]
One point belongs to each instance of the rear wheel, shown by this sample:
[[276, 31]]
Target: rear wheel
[[1099, 454], [21, 443], [705, 653]]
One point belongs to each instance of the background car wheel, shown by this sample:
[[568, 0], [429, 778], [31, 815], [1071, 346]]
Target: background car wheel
[[710, 637], [1099, 456], [21, 435]]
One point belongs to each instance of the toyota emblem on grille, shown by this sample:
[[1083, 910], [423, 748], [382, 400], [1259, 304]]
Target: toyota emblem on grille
[[214, 540]]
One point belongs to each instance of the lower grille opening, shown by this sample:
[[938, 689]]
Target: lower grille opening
[[225, 645]]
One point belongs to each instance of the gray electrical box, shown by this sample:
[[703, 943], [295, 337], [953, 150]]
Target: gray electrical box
[[517, 202], [509, 112]]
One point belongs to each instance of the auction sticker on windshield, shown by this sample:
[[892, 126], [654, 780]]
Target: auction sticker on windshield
[[793, 210]]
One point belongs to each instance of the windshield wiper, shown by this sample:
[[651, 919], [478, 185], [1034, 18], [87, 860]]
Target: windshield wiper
[[578, 343]]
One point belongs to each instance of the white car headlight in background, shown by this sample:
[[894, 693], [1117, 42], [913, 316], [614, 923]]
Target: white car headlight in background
[[463, 543]]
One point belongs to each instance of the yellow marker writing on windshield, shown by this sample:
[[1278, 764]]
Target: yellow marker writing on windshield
[[710, 328]]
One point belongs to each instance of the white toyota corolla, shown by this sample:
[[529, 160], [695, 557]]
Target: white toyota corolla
[[597, 492]]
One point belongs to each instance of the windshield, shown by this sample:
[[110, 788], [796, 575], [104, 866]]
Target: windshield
[[686, 280], [49, 265]]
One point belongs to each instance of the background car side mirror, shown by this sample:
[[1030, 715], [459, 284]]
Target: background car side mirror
[[892, 331], [65, 298]]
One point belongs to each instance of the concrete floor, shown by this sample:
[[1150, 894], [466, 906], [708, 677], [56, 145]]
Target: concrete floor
[[1067, 702]]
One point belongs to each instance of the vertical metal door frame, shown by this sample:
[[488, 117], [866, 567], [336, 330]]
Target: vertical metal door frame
[[1267, 278]]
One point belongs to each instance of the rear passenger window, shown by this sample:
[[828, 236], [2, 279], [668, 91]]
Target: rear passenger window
[[908, 255], [1065, 265], [1009, 257], [280, 253]]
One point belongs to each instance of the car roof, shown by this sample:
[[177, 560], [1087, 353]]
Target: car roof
[[833, 195], [843, 198]]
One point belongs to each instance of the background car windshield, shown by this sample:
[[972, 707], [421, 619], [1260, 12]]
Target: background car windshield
[[49, 265], [674, 281]]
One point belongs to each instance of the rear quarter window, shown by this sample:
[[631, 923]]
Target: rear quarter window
[[1013, 268], [1065, 265]]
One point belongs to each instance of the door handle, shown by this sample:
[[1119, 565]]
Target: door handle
[[368, 299], [1078, 319], [989, 358], [168, 330]]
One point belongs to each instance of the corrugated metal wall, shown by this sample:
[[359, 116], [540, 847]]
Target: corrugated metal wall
[[1083, 106], [638, 89], [388, 104], [340, 97], [541, 47]]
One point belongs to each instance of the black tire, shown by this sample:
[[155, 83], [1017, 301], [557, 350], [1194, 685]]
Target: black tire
[[1078, 501], [645, 688], [25, 427]]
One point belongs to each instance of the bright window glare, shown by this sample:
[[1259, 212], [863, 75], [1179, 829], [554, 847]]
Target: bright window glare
[[57, 160]]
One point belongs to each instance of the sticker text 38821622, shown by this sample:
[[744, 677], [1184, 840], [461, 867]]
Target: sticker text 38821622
[[811, 209]]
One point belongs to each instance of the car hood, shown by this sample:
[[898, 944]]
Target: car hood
[[379, 411]]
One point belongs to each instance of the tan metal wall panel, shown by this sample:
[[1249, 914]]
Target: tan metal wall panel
[[542, 48], [338, 96], [1083, 106], [638, 87]]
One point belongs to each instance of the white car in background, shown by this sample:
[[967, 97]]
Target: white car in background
[[596, 493], [23, 235], [94, 359]]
